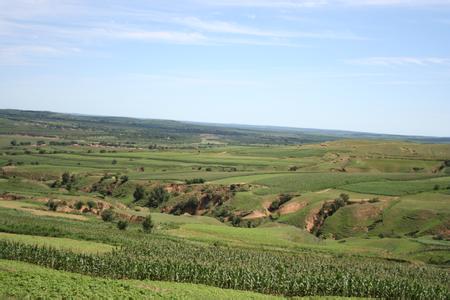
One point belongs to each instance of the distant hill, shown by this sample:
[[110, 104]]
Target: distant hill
[[122, 129]]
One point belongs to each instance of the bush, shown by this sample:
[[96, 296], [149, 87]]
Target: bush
[[91, 204], [79, 205], [436, 187], [374, 200], [139, 193], [235, 221], [344, 197], [283, 198], [147, 224], [65, 178], [107, 215], [122, 224], [52, 205], [123, 179], [189, 206], [195, 181], [157, 196]]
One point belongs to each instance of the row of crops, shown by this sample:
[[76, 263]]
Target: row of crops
[[269, 272]]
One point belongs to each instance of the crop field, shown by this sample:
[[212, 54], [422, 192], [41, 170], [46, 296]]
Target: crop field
[[237, 214]]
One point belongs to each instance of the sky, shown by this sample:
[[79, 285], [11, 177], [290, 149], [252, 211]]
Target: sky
[[378, 66]]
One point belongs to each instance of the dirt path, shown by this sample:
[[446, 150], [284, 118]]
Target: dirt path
[[256, 214], [291, 207]]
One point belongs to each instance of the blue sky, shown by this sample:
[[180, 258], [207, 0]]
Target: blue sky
[[364, 65]]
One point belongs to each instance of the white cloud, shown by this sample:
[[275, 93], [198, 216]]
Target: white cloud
[[400, 61], [232, 28]]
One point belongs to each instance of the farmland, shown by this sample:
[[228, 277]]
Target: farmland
[[235, 213]]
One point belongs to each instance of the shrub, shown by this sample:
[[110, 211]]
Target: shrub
[[344, 197], [189, 206], [65, 178], [374, 200], [123, 179], [283, 198], [436, 187], [139, 193], [91, 204], [195, 181], [52, 205], [107, 215], [157, 196], [122, 224], [79, 205], [235, 221], [147, 224]]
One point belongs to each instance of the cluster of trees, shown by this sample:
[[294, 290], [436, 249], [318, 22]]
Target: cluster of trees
[[108, 215], [67, 181], [283, 198], [152, 198], [188, 206], [108, 184], [16, 143], [194, 181], [90, 204]]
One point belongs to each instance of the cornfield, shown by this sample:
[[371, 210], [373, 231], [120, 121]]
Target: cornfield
[[270, 272]]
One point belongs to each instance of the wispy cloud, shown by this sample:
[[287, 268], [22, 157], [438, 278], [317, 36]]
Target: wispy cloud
[[400, 61], [267, 3], [394, 2], [215, 26], [321, 3]]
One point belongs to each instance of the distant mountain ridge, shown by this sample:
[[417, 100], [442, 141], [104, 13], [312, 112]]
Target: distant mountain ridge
[[88, 127]]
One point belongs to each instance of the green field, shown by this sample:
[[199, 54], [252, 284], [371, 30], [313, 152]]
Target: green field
[[236, 213]]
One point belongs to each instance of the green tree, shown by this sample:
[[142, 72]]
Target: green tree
[[157, 196], [122, 224], [91, 204], [107, 215], [139, 193], [52, 205], [147, 224], [344, 197], [65, 178], [123, 179], [79, 204]]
